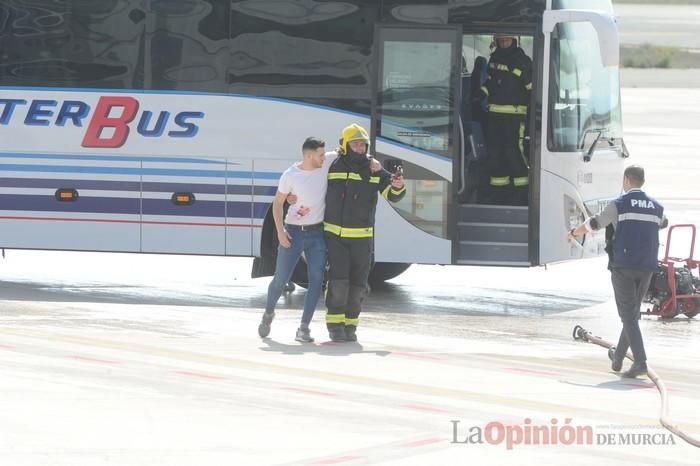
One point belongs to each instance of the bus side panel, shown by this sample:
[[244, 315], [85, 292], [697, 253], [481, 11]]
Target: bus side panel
[[566, 187], [241, 224], [100, 210], [184, 227], [266, 180]]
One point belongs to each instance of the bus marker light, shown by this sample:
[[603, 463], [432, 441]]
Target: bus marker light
[[183, 198], [66, 195]]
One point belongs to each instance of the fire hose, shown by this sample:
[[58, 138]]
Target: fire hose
[[581, 334]]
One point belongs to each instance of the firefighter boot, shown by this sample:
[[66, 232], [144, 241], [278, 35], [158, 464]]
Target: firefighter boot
[[265, 324], [336, 332], [350, 334]]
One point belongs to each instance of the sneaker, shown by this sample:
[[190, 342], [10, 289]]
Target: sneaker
[[616, 365], [336, 333], [265, 324], [635, 370], [304, 334], [350, 334]]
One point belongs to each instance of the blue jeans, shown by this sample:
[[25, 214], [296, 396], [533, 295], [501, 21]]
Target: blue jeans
[[313, 245]]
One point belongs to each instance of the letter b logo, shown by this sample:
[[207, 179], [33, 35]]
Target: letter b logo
[[101, 121]]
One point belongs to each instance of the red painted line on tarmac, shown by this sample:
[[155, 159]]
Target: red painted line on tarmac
[[91, 359], [309, 392], [6, 346], [422, 443], [200, 375], [532, 371], [340, 459], [426, 408], [421, 356]]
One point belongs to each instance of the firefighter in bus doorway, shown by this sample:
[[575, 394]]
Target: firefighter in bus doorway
[[351, 202], [507, 90]]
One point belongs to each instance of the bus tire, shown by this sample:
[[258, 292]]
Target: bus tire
[[383, 271]]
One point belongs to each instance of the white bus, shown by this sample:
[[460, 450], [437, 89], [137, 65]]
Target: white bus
[[163, 127]]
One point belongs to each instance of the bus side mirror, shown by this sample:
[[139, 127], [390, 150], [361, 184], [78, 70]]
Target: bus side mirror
[[604, 24]]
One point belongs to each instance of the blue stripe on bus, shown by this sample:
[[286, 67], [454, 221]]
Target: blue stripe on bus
[[127, 158], [139, 171], [121, 205], [110, 185]]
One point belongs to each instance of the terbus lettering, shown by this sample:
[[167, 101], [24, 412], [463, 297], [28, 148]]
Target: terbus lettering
[[109, 125]]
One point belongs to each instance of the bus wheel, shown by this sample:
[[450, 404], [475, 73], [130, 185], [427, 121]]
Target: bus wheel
[[383, 271]]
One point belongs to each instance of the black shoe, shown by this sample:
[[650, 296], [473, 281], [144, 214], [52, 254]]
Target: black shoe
[[350, 334], [635, 370], [616, 362], [304, 334], [265, 324], [336, 333]]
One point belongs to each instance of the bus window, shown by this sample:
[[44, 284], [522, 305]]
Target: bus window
[[415, 101], [72, 44], [584, 95], [425, 203]]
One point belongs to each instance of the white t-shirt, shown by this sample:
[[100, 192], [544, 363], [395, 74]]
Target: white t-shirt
[[310, 188]]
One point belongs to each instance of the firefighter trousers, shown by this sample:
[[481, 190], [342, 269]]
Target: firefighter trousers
[[507, 163], [349, 261]]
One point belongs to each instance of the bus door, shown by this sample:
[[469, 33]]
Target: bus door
[[582, 153], [415, 125]]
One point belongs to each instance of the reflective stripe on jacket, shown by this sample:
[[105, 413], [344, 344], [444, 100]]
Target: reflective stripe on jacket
[[636, 237], [351, 198]]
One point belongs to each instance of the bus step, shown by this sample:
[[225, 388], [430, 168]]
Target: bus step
[[493, 232], [478, 213], [493, 252]]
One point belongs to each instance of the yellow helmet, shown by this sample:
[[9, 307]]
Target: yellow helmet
[[354, 132]]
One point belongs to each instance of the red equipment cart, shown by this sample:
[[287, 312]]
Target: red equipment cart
[[674, 289]]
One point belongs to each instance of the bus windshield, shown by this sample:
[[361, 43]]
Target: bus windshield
[[584, 95]]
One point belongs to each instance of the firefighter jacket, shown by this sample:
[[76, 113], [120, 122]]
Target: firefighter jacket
[[509, 81], [351, 198]]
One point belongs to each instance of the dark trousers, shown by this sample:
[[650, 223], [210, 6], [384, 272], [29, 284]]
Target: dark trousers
[[507, 162], [349, 261], [630, 286]]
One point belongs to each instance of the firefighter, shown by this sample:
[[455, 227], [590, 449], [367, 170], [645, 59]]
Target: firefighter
[[351, 201], [508, 92]]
